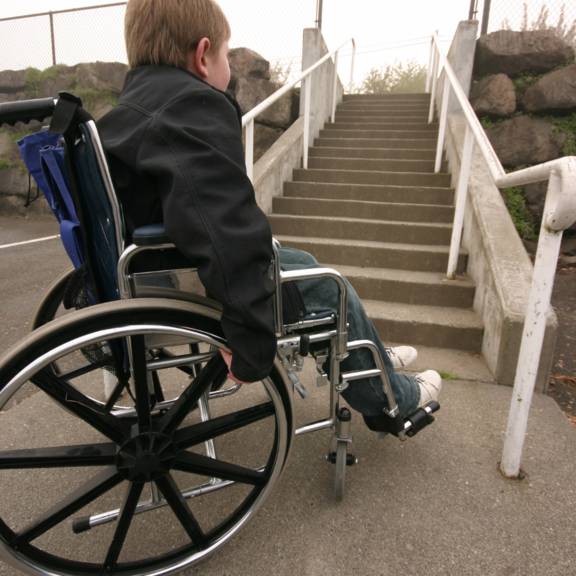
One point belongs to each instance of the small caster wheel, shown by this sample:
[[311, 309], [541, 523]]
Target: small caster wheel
[[340, 476]]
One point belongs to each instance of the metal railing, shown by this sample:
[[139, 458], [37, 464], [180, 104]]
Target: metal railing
[[305, 78], [559, 214]]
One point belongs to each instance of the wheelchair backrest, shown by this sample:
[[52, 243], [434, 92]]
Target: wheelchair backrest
[[88, 187]]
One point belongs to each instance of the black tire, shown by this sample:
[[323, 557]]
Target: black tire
[[340, 471], [50, 305], [111, 456]]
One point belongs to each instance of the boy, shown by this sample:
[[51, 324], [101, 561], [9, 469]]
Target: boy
[[174, 144]]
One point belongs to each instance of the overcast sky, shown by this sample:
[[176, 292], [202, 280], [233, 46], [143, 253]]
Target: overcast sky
[[383, 30]]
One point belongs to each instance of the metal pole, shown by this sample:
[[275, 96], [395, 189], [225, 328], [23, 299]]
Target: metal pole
[[532, 337], [429, 70], [335, 87], [485, 17], [319, 15], [461, 195], [434, 82], [307, 87], [443, 117], [472, 12], [52, 38], [352, 67], [250, 150]]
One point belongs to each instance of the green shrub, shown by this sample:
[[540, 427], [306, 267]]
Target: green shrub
[[520, 215], [5, 163], [400, 77]]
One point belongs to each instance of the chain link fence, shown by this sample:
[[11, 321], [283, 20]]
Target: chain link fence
[[556, 15], [273, 29]]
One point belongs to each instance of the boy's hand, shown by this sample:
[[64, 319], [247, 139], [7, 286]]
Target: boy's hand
[[228, 359]]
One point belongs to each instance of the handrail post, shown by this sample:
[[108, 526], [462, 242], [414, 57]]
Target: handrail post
[[429, 70], [460, 204], [307, 87], [352, 67], [532, 337], [249, 154], [335, 86], [434, 82], [443, 118]]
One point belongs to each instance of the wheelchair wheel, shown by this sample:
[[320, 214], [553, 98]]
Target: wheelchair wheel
[[340, 473], [149, 488], [50, 305]]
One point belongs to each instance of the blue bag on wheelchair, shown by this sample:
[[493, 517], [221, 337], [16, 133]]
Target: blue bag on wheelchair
[[44, 159]]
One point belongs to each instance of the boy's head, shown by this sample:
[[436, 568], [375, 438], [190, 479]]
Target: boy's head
[[189, 34]]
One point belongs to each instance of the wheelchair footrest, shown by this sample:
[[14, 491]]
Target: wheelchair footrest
[[411, 425], [421, 418], [350, 458]]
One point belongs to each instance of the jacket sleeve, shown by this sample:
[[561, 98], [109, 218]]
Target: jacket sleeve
[[193, 150]]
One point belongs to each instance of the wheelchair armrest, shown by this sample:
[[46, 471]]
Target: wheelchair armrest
[[150, 235]]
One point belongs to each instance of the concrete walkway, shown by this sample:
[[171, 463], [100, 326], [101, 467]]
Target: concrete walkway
[[435, 504]]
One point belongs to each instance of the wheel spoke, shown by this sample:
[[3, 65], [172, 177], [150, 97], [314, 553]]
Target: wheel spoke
[[73, 400], [198, 433], [179, 506], [205, 466], [59, 456], [214, 370], [123, 524], [138, 349], [100, 484]]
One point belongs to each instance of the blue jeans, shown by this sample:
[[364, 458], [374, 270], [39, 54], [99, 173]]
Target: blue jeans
[[366, 395]]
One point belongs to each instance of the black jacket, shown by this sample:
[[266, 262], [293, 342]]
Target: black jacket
[[174, 145]]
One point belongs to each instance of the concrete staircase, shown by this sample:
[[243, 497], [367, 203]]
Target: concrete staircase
[[371, 206]]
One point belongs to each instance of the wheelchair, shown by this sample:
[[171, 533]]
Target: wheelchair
[[176, 459]]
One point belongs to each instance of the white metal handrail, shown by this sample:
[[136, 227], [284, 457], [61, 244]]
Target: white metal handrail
[[559, 214], [249, 117]]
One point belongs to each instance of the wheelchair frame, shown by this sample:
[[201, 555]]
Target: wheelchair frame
[[293, 346]]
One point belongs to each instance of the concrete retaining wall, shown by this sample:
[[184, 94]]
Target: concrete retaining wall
[[275, 167], [499, 266]]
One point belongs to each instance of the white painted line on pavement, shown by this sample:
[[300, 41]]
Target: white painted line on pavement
[[29, 241]]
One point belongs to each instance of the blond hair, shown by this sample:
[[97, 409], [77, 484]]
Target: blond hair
[[162, 32]]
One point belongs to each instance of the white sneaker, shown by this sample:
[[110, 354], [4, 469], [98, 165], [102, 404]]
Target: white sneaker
[[402, 356], [430, 385]]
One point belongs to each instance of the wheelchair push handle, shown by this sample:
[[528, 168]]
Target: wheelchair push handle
[[26, 110]]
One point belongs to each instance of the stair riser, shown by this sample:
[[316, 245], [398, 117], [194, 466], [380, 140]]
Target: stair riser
[[410, 195], [384, 115], [421, 334], [404, 143], [386, 97], [413, 293], [377, 153], [416, 166], [376, 257], [365, 231], [369, 211], [381, 134], [382, 110], [377, 178], [351, 124]]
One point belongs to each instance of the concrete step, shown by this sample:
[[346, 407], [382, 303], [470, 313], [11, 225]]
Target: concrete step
[[369, 193], [382, 153], [407, 109], [376, 124], [380, 134], [365, 210], [374, 165], [369, 177], [438, 326], [409, 287], [397, 115], [361, 229], [376, 254], [386, 97], [332, 141]]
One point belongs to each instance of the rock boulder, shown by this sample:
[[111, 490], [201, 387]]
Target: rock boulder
[[103, 75], [252, 91], [264, 137], [554, 93], [493, 96], [12, 81], [524, 141], [513, 53], [246, 62]]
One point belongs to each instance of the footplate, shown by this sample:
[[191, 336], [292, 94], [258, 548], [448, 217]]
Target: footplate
[[412, 424]]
